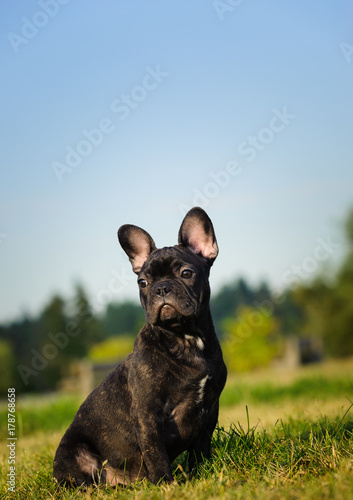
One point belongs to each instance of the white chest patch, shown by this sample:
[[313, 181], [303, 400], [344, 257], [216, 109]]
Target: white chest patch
[[200, 345], [201, 390]]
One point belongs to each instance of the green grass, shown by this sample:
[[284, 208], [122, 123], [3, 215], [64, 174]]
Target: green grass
[[43, 413], [305, 387], [297, 458]]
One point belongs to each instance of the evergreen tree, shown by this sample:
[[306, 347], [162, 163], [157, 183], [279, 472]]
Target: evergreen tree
[[85, 326]]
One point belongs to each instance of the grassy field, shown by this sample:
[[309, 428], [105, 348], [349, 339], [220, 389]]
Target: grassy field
[[281, 435]]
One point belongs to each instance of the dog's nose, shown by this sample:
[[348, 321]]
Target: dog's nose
[[162, 289]]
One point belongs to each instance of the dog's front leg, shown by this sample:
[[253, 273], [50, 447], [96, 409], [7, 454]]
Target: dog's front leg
[[149, 426], [202, 447], [200, 450]]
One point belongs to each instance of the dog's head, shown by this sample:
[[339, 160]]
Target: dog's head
[[173, 281]]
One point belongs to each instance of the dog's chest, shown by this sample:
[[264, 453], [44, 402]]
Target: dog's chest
[[191, 392], [186, 410], [199, 382]]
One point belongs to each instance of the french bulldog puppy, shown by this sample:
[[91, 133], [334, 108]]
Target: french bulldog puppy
[[164, 398]]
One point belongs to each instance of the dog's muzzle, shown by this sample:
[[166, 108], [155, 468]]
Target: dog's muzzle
[[169, 303]]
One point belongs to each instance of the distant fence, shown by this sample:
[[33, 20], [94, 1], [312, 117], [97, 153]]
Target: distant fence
[[84, 376]]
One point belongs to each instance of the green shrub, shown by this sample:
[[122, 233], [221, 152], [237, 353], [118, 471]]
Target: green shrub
[[251, 340], [113, 349], [7, 361]]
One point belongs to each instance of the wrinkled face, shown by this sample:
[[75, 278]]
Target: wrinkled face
[[173, 281], [173, 286]]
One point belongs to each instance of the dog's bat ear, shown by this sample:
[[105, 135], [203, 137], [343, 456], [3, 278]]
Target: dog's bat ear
[[196, 232], [137, 244]]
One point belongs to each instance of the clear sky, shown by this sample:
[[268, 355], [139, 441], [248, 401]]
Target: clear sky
[[131, 112]]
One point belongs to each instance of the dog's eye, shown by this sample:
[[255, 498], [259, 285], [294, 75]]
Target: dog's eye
[[142, 283], [186, 273]]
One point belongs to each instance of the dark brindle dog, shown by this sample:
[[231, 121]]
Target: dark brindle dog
[[163, 399]]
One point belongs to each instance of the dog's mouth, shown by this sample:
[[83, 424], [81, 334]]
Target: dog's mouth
[[168, 312]]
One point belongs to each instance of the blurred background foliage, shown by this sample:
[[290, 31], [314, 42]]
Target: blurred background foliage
[[252, 339], [112, 349], [251, 322]]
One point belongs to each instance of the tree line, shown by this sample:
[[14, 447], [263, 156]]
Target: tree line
[[252, 323]]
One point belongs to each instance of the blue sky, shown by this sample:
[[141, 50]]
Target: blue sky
[[130, 112]]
